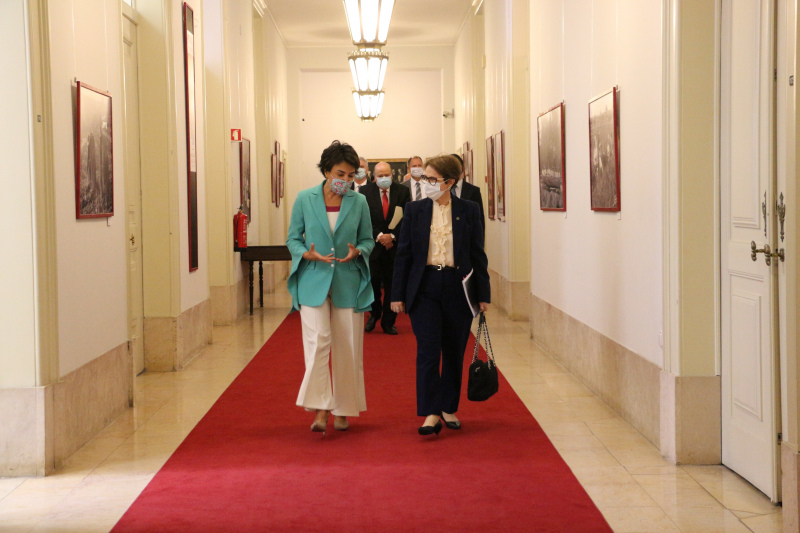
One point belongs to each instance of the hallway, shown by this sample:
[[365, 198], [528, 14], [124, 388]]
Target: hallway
[[635, 489]]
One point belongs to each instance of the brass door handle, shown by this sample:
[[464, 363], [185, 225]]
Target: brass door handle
[[767, 251], [133, 239]]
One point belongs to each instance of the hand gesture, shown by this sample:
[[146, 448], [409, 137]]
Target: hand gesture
[[398, 307], [386, 241], [352, 253], [313, 255], [484, 306]]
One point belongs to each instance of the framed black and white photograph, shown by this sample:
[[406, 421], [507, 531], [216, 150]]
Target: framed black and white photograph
[[468, 170], [273, 177], [94, 158], [244, 177], [191, 135], [604, 152], [552, 161], [500, 174], [490, 176]]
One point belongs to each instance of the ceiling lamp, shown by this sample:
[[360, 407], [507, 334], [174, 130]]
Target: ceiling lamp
[[368, 21], [368, 66], [368, 104]]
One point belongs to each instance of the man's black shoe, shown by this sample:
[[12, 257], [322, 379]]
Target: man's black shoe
[[391, 330], [370, 323]]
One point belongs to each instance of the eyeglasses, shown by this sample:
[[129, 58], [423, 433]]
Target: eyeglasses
[[433, 181]]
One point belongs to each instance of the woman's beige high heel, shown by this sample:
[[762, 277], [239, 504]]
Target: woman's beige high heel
[[340, 423], [319, 425]]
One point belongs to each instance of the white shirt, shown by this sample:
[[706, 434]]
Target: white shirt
[[440, 249], [357, 187], [414, 184], [457, 188]]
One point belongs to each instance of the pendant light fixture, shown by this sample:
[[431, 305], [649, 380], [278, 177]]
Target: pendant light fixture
[[368, 21]]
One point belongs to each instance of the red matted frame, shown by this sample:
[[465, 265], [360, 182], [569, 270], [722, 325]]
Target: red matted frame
[[604, 152], [500, 174], [552, 160], [244, 178], [273, 177], [191, 134], [490, 175], [280, 184], [94, 153]]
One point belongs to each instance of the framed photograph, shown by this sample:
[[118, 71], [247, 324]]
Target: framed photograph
[[273, 177], [244, 177], [468, 170], [552, 162], [604, 152], [500, 174], [399, 168], [490, 176], [191, 136], [94, 154], [277, 148]]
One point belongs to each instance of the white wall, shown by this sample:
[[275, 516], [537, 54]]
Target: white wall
[[92, 285], [497, 18], [17, 280], [276, 71], [194, 285], [419, 86], [603, 269]]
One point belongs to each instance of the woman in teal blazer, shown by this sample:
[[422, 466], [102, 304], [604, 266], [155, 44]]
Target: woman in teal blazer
[[330, 235]]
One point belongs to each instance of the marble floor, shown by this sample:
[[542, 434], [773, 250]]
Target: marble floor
[[636, 490]]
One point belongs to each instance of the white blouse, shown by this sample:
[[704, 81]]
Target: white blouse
[[440, 249]]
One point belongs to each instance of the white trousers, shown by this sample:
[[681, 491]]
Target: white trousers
[[333, 342]]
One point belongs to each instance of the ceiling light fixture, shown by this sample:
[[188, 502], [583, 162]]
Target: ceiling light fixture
[[368, 21]]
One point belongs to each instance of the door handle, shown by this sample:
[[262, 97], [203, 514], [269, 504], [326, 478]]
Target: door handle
[[767, 251], [133, 239]]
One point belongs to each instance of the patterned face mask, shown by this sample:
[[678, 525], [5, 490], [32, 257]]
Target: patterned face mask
[[339, 186]]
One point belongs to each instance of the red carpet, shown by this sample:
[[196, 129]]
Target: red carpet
[[252, 464]]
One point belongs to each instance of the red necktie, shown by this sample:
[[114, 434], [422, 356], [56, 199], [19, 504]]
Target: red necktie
[[385, 204]]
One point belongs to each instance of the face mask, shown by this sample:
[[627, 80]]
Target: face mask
[[361, 174], [432, 191], [384, 183], [416, 172], [339, 186]]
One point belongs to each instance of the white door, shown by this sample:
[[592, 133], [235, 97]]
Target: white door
[[133, 190], [749, 365]]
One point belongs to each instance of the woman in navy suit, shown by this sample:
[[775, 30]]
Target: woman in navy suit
[[440, 243]]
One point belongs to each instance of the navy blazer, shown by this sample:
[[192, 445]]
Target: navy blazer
[[412, 248], [399, 196]]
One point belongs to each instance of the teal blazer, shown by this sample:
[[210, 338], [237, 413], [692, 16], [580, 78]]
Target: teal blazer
[[310, 281]]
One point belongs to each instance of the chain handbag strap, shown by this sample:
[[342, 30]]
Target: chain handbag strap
[[483, 330]]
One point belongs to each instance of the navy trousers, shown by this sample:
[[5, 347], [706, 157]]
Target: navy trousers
[[441, 320], [382, 270]]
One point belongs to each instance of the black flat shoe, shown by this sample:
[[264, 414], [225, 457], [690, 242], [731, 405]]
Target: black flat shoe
[[390, 330], [430, 430], [370, 325]]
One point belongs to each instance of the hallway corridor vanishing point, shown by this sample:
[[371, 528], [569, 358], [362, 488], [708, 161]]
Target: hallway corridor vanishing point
[[634, 488]]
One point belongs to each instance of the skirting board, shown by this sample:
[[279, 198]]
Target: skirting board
[[170, 343], [513, 297], [627, 382], [790, 487], [43, 426]]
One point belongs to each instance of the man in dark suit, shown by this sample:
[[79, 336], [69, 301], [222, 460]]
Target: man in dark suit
[[468, 191], [411, 179], [386, 200]]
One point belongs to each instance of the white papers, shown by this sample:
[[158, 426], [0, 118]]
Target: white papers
[[398, 216], [471, 291]]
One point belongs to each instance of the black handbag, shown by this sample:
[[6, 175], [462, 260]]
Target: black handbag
[[482, 382]]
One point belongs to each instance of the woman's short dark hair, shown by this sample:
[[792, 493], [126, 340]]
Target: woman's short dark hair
[[446, 165], [337, 153]]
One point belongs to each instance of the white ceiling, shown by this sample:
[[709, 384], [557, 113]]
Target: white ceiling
[[323, 22]]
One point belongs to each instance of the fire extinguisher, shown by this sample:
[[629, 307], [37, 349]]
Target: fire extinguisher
[[239, 231]]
